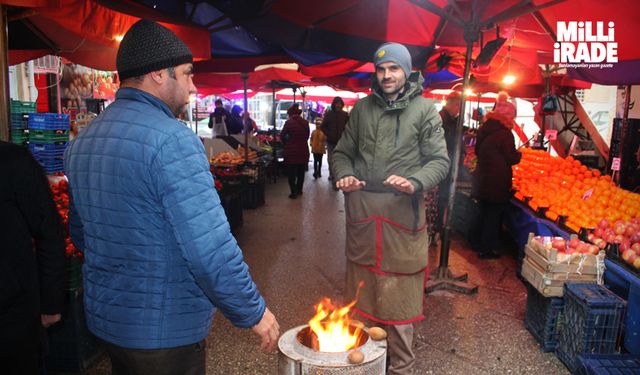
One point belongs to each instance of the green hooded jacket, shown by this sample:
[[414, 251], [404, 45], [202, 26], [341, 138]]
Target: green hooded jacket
[[403, 138]]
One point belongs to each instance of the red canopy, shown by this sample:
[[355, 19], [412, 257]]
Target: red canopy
[[261, 80], [87, 32]]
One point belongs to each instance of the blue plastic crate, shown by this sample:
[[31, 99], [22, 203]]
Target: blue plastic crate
[[543, 318], [592, 320], [42, 146], [626, 285], [51, 165], [608, 364], [48, 121]]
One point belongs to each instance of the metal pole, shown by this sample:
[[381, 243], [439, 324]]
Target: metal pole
[[244, 77], [275, 131], [623, 130], [5, 124], [444, 279]]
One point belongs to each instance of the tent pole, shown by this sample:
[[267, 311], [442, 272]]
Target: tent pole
[[443, 278], [4, 76], [623, 130], [275, 131], [244, 77]]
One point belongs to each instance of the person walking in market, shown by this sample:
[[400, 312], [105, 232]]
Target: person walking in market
[[333, 125], [217, 120], [159, 255], [32, 260], [449, 115], [496, 153], [317, 149], [392, 150], [294, 135]]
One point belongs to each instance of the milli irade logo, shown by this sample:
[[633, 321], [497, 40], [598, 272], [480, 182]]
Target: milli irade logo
[[585, 44]]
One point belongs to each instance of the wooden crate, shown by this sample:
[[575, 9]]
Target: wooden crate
[[550, 284], [583, 264]]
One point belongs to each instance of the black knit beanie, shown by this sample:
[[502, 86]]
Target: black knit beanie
[[148, 47]]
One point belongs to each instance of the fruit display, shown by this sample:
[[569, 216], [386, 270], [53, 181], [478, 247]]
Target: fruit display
[[104, 85], [565, 187], [226, 158], [624, 234], [60, 189], [567, 249], [76, 85], [252, 156]]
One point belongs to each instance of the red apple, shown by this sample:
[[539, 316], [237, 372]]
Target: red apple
[[618, 238], [630, 230], [598, 232], [636, 263], [559, 244], [603, 223], [582, 247], [610, 238], [629, 256], [570, 250], [635, 238], [624, 245], [619, 228], [636, 247], [592, 249], [574, 243]]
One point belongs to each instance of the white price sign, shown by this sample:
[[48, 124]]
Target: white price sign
[[615, 164]]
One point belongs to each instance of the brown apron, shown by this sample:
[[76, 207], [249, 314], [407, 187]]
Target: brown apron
[[387, 244]]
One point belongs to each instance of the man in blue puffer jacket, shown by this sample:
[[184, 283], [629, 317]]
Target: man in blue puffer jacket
[[160, 257]]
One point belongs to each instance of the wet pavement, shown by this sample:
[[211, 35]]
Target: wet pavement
[[295, 250]]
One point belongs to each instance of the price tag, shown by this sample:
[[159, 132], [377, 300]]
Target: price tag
[[551, 134], [587, 194], [615, 164]]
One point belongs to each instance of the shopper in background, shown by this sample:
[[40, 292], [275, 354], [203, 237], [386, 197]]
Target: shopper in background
[[234, 121], [333, 124], [217, 120], [496, 153], [317, 148], [392, 150], [449, 116], [32, 265], [159, 254], [294, 135]]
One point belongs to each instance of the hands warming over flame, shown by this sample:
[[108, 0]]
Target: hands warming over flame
[[268, 329]]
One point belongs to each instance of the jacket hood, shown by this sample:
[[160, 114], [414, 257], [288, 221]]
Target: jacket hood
[[500, 118], [413, 88]]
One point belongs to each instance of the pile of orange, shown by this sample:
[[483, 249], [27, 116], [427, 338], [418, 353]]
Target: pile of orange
[[568, 188]]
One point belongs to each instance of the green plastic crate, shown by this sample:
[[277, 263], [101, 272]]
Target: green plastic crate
[[48, 136], [18, 106]]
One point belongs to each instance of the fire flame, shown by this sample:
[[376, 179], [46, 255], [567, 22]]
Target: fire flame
[[331, 324]]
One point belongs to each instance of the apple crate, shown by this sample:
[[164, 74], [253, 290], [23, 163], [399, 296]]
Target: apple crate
[[543, 318], [592, 321]]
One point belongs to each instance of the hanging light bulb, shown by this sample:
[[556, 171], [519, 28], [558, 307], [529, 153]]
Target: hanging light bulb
[[509, 79]]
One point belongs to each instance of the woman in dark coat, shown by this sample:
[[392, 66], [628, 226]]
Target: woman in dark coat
[[496, 152], [295, 135]]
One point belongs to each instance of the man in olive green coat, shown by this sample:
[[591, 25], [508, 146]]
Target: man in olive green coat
[[392, 150]]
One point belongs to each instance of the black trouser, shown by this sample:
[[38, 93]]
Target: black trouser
[[317, 165], [21, 347], [295, 174], [186, 360], [486, 236]]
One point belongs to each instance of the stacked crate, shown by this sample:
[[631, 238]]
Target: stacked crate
[[19, 121], [48, 138], [592, 320]]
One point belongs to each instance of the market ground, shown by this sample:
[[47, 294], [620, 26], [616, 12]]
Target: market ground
[[295, 251]]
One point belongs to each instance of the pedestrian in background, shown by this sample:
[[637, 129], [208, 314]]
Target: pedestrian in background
[[333, 124], [294, 135], [318, 148]]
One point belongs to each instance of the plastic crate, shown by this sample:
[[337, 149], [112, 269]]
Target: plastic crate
[[71, 346], [52, 165], [18, 106], [543, 318], [19, 120], [47, 150], [592, 316], [611, 364], [253, 196], [20, 136], [232, 205], [49, 136], [49, 121]]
